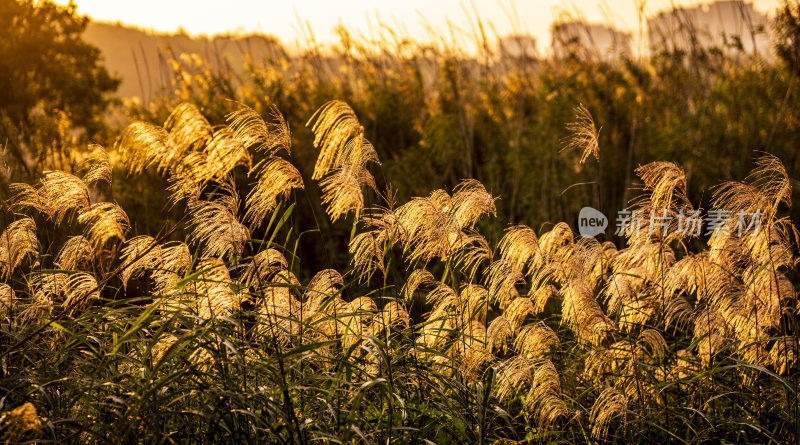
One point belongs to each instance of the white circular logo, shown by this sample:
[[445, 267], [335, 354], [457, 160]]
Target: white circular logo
[[591, 222]]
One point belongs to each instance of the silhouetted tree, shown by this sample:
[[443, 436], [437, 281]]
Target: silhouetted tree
[[788, 34], [47, 74]]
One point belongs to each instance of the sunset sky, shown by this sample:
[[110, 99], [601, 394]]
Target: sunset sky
[[411, 17]]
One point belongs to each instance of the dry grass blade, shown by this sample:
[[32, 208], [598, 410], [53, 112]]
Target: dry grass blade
[[585, 135]]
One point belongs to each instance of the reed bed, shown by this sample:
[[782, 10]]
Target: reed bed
[[432, 333]]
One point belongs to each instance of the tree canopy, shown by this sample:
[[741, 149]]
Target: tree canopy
[[45, 63]]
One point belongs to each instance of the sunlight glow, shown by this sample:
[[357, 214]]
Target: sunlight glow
[[290, 20]]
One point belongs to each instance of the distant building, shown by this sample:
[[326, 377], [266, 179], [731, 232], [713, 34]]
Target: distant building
[[727, 25], [518, 47], [592, 40]]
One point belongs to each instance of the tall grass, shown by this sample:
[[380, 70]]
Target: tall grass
[[213, 329], [437, 114]]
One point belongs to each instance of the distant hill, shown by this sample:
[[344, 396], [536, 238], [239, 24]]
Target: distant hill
[[137, 56]]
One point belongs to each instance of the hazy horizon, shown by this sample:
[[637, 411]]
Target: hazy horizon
[[412, 18]]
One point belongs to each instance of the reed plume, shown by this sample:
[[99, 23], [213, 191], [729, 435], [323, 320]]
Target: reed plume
[[498, 333], [583, 314], [15, 424], [61, 192], [585, 135], [8, 303], [518, 246], [417, 278], [335, 126], [104, 221], [76, 253], [216, 225], [609, 405], [276, 178], [174, 259], [97, 166], [536, 341], [543, 398], [213, 296], [139, 254], [250, 128], [342, 162], [324, 285], [143, 145], [17, 241], [81, 289]]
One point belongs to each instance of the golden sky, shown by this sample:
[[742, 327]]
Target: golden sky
[[286, 18]]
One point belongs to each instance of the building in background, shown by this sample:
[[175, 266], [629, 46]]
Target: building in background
[[578, 38], [518, 47], [729, 25]]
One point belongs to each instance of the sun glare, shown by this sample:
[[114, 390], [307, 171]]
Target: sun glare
[[419, 19]]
